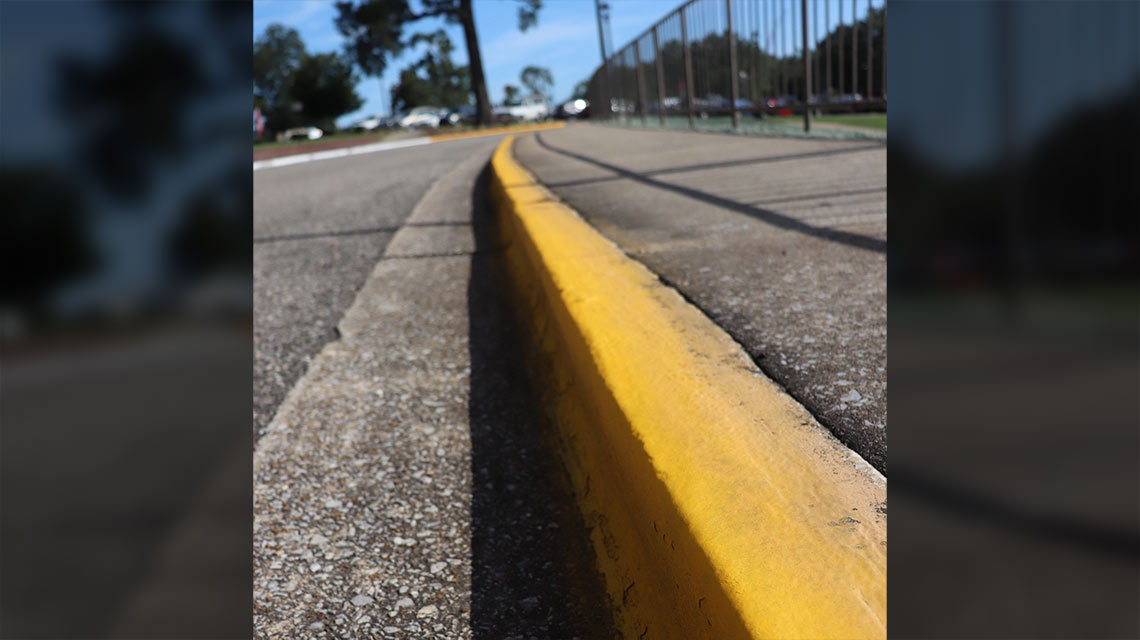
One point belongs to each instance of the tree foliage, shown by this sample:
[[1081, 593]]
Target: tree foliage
[[293, 87], [277, 54], [372, 30], [410, 92], [510, 94], [434, 79], [325, 86], [537, 80]]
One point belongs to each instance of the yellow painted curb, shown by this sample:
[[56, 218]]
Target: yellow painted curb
[[494, 131], [718, 507]]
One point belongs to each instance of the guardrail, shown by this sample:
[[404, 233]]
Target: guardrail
[[756, 57]]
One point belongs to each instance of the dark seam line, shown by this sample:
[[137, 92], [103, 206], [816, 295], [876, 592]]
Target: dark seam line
[[771, 217], [443, 223], [456, 254], [721, 165], [355, 232], [325, 234], [1042, 524]]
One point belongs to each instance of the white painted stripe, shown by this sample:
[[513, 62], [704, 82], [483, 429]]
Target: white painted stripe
[[338, 153]]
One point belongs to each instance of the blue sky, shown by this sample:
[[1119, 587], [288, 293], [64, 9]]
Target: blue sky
[[565, 40]]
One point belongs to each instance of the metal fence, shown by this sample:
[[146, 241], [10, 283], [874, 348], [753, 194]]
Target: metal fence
[[748, 58]]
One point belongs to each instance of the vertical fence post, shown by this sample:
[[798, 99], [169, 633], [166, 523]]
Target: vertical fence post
[[870, 37], [883, 62], [769, 71], [827, 45], [842, 70], [734, 74], [854, 50], [807, 66], [605, 64], [660, 76], [814, 43], [640, 83], [783, 91], [688, 68]]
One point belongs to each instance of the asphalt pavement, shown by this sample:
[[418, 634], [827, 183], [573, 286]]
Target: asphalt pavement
[[781, 241], [404, 487], [319, 228]]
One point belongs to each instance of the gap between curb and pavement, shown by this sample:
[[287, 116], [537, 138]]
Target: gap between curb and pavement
[[299, 158], [718, 506]]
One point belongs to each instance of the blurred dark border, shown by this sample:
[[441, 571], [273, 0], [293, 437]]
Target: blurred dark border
[[1014, 319], [125, 320]]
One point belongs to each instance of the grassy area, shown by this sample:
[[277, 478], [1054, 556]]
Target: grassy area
[[866, 120], [877, 121]]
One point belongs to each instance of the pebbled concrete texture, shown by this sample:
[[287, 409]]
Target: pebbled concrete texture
[[319, 228], [404, 488], [780, 241]]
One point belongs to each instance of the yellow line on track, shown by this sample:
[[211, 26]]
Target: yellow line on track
[[718, 507]]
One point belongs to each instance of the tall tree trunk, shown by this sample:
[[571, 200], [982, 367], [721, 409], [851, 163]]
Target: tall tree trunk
[[475, 63]]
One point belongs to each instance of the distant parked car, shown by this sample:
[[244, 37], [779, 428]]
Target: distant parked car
[[782, 101], [368, 124], [530, 109], [711, 102], [671, 103], [462, 115], [303, 133], [421, 117], [620, 105], [578, 108]]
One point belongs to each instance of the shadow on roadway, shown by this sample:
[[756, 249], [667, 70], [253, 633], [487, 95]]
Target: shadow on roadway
[[533, 571]]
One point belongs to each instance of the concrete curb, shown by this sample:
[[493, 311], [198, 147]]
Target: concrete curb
[[718, 507]]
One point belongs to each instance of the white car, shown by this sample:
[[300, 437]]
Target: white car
[[303, 133], [532, 109], [421, 117]]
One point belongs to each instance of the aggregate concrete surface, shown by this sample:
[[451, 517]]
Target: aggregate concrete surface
[[781, 241], [404, 488], [319, 228]]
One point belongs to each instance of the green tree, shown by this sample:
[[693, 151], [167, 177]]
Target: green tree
[[325, 85], [374, 29], [510, 94], [451, 84], [434, 79], [410, 92], [582, 89], [293, 88], [277, 54], [537, 80]]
